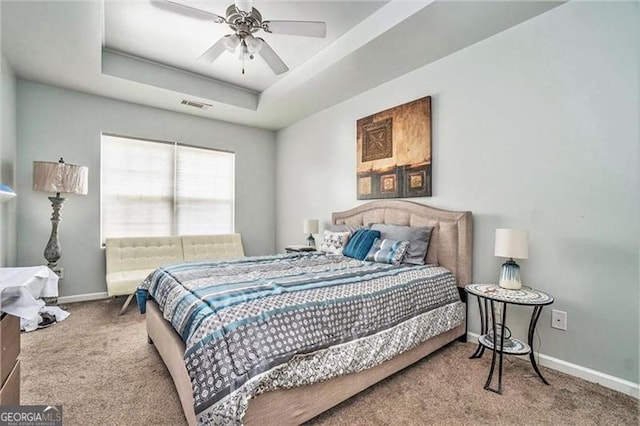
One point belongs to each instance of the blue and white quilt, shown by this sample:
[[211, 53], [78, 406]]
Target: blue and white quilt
[[262, 323]]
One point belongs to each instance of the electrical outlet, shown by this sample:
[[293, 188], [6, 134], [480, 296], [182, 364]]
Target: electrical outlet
[[559, 319]]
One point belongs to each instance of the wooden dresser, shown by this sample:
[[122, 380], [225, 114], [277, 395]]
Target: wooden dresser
[[9, 362]]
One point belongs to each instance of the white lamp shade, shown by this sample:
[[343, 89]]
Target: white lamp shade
[[512, 243], [6, 193], [253, 44], [311, 226], [244, 5], [60, 177], [230, 42]]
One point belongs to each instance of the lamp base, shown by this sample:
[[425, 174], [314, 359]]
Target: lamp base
[[52, 250], [510, 276], [311, 242]]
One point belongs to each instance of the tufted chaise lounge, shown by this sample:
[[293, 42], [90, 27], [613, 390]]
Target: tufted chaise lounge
[[131, 260], [211, 247]]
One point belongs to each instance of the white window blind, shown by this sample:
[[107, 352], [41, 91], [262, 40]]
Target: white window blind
[[159, 189], [204, 184]]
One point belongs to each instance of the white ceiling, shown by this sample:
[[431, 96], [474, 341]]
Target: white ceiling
[[137, 52]]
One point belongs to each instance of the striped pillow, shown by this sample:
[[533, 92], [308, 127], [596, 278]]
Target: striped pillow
[[387, 251]]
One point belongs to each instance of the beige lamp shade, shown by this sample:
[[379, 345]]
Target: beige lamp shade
[[311, 226], [60, 177], [512, 243]]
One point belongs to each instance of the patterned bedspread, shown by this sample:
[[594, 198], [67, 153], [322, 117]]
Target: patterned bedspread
[[259, 323]]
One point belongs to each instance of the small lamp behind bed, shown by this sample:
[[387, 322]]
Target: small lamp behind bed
[[311, 227], [513, 244]]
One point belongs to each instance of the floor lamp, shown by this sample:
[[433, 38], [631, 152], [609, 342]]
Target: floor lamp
[[59, 178]]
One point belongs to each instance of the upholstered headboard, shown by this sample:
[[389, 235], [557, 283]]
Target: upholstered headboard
[[451, 239]]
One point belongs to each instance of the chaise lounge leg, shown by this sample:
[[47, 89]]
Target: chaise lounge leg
[[126, 304]]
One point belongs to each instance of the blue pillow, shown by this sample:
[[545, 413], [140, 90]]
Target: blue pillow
[[387, 251], [360, 243]]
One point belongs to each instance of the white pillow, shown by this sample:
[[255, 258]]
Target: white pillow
[[334, 242]]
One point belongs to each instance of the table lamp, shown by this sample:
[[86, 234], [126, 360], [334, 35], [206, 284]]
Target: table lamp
[[512, 244], [58, 177], [311, 227]]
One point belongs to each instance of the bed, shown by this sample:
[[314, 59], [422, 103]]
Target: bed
[[323, 375]]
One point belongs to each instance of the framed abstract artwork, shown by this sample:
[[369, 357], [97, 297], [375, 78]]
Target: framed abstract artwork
[[394, 152]]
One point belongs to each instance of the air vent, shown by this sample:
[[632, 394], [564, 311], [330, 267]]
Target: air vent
[[195, 104]]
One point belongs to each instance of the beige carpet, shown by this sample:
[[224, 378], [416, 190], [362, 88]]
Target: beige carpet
[[101, 369]]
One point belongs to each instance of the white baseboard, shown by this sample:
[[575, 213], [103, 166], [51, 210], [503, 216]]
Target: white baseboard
[[83, 297], [606, 380]]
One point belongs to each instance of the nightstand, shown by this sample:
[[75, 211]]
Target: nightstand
[[298, 248], [9, 362], [488, 295]]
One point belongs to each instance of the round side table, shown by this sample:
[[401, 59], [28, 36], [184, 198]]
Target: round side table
[[490, 294]]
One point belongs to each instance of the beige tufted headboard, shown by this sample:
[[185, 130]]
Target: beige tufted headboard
[[451, 239]]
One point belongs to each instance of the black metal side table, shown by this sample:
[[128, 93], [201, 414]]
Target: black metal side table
[[488, 295]]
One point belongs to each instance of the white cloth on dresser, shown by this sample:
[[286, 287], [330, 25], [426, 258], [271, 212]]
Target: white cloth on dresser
[[20, 290]]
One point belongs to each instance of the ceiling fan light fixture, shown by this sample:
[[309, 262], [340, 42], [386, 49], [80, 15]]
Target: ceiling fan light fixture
[[253, 44], [231, 42], [244, 5], [244, 20]]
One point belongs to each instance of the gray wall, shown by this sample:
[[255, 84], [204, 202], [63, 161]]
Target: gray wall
[[8, 242], [55, 122], [534, 128]]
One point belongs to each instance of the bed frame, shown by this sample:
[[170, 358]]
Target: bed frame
[[450, 246]]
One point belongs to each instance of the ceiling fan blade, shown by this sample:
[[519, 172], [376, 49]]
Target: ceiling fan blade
[[212, 53], [176, 6], [271, 58], [303, 28]]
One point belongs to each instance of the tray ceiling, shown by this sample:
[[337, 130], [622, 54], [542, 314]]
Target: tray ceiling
[[137, 52]]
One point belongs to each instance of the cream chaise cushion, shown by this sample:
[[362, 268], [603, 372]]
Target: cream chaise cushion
[[212, 247], [130, 260], [126, 282]]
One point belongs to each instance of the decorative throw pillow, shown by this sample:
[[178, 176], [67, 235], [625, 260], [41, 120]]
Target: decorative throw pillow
[[418, 238], [360, 243], [334, 242], [387, 251]]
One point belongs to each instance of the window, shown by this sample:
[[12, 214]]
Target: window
[[161, 189]]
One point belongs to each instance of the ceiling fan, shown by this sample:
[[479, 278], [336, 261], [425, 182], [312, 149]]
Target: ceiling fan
[[245, 20]]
